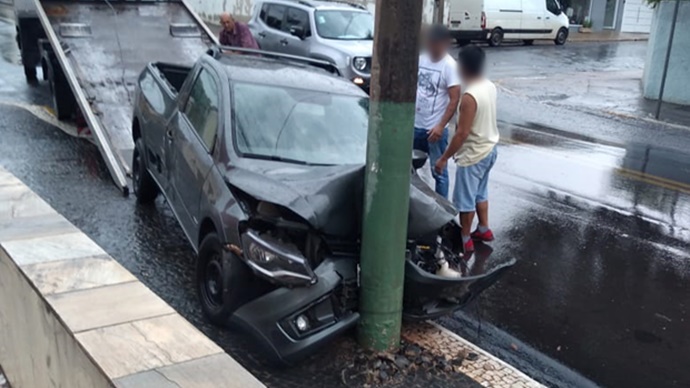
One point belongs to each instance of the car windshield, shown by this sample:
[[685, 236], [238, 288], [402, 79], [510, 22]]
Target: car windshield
[[344, 25], [300, 126]]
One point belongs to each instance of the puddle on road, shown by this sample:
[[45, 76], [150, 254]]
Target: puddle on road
[[639, 180]]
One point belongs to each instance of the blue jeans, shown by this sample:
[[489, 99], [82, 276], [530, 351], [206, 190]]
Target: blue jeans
[[435, 150]]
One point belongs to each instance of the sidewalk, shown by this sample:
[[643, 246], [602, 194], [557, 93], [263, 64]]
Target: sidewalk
[[606, 36]]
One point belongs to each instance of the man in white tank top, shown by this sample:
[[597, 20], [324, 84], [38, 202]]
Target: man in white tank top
[[473, 147]]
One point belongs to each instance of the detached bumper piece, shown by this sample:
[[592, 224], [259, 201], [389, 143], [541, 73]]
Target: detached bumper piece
[[428, 296], [292, 323]]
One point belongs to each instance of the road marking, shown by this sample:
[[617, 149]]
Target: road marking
[[655, 180]]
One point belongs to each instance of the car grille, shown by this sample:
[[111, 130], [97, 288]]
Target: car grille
[[343, 247]]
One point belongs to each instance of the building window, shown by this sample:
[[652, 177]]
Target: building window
[[576, 10]]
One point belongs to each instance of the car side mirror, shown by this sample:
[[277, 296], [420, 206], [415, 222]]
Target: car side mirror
[[419, 159], [298, 31]]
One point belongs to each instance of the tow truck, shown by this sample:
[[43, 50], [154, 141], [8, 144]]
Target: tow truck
[[91, 53]]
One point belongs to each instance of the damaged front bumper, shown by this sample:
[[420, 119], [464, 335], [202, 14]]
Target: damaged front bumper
[[293, 322]]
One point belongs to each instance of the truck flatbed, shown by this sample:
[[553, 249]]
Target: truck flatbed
[[101, 47]]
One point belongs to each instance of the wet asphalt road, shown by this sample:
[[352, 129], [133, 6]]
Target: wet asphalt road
[[595, 207]]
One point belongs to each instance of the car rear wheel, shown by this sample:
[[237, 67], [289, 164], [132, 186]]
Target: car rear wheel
[[223, 281], [496, 37], [145, 187], [561, 37], [528, 42]]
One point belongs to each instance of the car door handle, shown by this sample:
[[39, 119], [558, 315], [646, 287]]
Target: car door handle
[[284, 42], [262, 34], [538, 17], [548, 18]]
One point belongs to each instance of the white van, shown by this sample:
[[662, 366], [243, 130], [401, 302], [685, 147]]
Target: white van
[[496, 20]]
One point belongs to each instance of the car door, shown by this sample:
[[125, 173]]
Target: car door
[[532, 24], [296, 18], [192, 136], [506, 15], [271, 18], [552, 19]]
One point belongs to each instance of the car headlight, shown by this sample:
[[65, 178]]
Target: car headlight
[[279, 262], [359, 63]]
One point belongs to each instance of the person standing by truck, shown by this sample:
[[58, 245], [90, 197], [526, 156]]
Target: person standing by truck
[[438, 94], [474, 147], [236, 34]]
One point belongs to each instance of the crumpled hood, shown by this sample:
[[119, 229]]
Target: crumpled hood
[[353, 48], [330, 198]]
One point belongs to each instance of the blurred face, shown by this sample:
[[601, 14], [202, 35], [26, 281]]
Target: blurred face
[[437, 49], [227, 22]]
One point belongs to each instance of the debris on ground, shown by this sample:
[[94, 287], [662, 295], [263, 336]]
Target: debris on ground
[[388, 369]]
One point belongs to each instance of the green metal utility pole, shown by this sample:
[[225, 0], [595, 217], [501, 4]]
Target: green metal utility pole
[[387, 184]]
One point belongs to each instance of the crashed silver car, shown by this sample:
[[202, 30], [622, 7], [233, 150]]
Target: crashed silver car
[[262, 162]]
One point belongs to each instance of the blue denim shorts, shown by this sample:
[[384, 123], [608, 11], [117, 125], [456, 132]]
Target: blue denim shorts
[[472, 183]]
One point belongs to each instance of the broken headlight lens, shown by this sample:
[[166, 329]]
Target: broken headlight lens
[[280, 262]]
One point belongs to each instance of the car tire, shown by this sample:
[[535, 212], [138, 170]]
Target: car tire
[[528, 42], [30, 73], [64, 103], [496, 37], [223, 281], [561, 37], [144, 186]]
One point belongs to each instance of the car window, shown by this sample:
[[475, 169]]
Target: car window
[[275, 14], [553, 7], [300, 126], [202, 108], [264, 12], [297, 17], [344, 24]]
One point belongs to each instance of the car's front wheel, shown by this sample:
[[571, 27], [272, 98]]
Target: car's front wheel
[[223, 281], [145, 187], [561, 37]]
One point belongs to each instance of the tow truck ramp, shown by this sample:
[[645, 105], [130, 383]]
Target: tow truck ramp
[[94, 52]]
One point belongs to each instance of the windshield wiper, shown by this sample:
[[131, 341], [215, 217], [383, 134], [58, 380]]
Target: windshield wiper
[[276, 158]]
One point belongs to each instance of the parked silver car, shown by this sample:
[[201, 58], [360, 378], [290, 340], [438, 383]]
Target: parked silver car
[[337, 32]]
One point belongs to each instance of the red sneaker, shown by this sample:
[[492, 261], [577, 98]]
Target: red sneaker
[[469, 247], [486, 236]]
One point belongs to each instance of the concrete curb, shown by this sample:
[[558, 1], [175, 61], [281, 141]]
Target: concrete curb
[[484, 368], [74, 317], [594, 40]]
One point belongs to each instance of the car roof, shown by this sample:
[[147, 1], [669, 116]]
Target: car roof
[[321, 4], [285, 73]]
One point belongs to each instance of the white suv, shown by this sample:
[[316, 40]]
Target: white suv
[[336, 32]]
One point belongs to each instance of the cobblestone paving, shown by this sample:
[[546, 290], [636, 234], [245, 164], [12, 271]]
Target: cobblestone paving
[[468, 358]]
